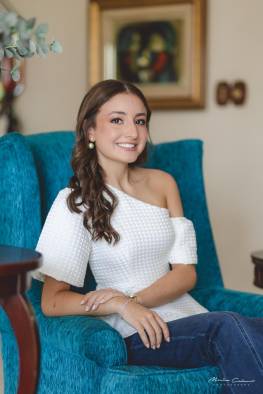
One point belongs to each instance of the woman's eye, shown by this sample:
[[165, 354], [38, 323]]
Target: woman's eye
[[141, 122], [116, 120]]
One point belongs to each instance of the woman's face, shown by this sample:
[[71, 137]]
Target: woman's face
[[121, 120]]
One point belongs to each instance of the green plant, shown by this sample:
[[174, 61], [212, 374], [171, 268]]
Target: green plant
[[22, 38]]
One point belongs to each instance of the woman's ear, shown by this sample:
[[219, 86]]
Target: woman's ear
[[89, 132]]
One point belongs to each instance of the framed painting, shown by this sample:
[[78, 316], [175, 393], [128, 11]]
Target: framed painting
[[159, 45]]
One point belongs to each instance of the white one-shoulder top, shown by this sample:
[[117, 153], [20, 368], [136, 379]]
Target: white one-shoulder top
[[149, 240]]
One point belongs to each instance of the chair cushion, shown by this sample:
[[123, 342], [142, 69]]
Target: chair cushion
[[52, 154], [19, 193], [153, 379], [221, 299]]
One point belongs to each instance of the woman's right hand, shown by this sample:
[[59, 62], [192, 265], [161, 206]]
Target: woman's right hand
[[146, 322]]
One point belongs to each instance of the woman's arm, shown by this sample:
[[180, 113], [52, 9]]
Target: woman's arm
[[58, 300], [172, 285], [182, 277]]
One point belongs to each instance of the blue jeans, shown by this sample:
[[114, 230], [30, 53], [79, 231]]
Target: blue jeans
[[228, 340]]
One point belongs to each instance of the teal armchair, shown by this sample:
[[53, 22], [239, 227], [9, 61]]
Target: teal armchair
[[81, 354]]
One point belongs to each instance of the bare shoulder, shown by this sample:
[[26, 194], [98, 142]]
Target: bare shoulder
[[163, 183]]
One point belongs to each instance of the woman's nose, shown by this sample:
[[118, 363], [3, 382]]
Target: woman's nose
[[131, 130]]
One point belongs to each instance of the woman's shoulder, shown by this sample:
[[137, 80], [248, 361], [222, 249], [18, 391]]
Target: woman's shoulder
[[64, 192], [164, 185], [158, 179], [150, 186], [62, 198]]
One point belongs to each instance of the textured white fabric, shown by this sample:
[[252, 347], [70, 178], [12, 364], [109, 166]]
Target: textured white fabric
[[184, 249], [64, 243], [149, 240]]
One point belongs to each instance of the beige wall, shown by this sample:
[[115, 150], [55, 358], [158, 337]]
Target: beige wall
[[233, 137], [55, 84]]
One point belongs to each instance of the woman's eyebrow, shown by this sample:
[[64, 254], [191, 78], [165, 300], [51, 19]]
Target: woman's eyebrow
[[124, 113]]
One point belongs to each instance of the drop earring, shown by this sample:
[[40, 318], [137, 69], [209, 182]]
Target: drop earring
[[91, 145]]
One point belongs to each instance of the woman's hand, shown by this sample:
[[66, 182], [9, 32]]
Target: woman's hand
[[146, 322], [92, 299]]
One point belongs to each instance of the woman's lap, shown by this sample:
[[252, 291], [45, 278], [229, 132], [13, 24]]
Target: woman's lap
[[185, 349], [190, 340]]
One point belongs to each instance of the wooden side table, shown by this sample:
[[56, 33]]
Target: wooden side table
[[257, 259], [15, 265]]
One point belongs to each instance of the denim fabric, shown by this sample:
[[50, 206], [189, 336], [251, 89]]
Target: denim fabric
[[228, 340]]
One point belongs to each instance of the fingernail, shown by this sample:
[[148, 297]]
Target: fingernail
[[94, 307], [82, 302], [87, 308], [147, 345], [158, 346], [168, 339], [153, 347]]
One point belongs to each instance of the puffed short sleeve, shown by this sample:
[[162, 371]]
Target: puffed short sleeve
[[65, 244], [184, 248]]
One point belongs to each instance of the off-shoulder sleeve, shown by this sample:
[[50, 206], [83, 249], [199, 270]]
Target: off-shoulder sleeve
[[64, 243], [184, 249]]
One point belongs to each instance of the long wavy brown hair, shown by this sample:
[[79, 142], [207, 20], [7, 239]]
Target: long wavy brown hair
[[88, 180]]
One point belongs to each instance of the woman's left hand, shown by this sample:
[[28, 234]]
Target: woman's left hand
[[92, 299]]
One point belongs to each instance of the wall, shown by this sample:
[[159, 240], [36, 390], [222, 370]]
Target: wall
[[55, 84], [232, 136]]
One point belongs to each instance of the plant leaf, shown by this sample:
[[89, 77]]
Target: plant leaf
[[56, 47], [32, 47], [41, 30], [9, 53], [44, 47], [39, 51], [22, 51], [11, 19], [21, 27], [2, 53], [30, 23], [15, 73]]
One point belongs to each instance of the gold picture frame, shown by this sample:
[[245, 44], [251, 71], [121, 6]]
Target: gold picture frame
[[159, 45]]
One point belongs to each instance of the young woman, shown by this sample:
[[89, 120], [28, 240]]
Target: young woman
[[127, 223]]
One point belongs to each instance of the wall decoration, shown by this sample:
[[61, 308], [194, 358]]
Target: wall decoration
[[157, 44], [239, 92], [235, 92], [222, 93]]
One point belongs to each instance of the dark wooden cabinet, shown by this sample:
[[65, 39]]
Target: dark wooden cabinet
[[257, 259]]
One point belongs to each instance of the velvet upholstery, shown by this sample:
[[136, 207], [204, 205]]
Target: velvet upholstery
[[19, 220], [84, 354]]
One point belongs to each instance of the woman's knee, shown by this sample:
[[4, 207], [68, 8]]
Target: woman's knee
[[225, 318]]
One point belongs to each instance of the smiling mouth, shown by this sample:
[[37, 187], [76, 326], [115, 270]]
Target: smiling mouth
[[127, 147]]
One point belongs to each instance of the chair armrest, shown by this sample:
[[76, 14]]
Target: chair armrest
[[84, 335], [221, 299]]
